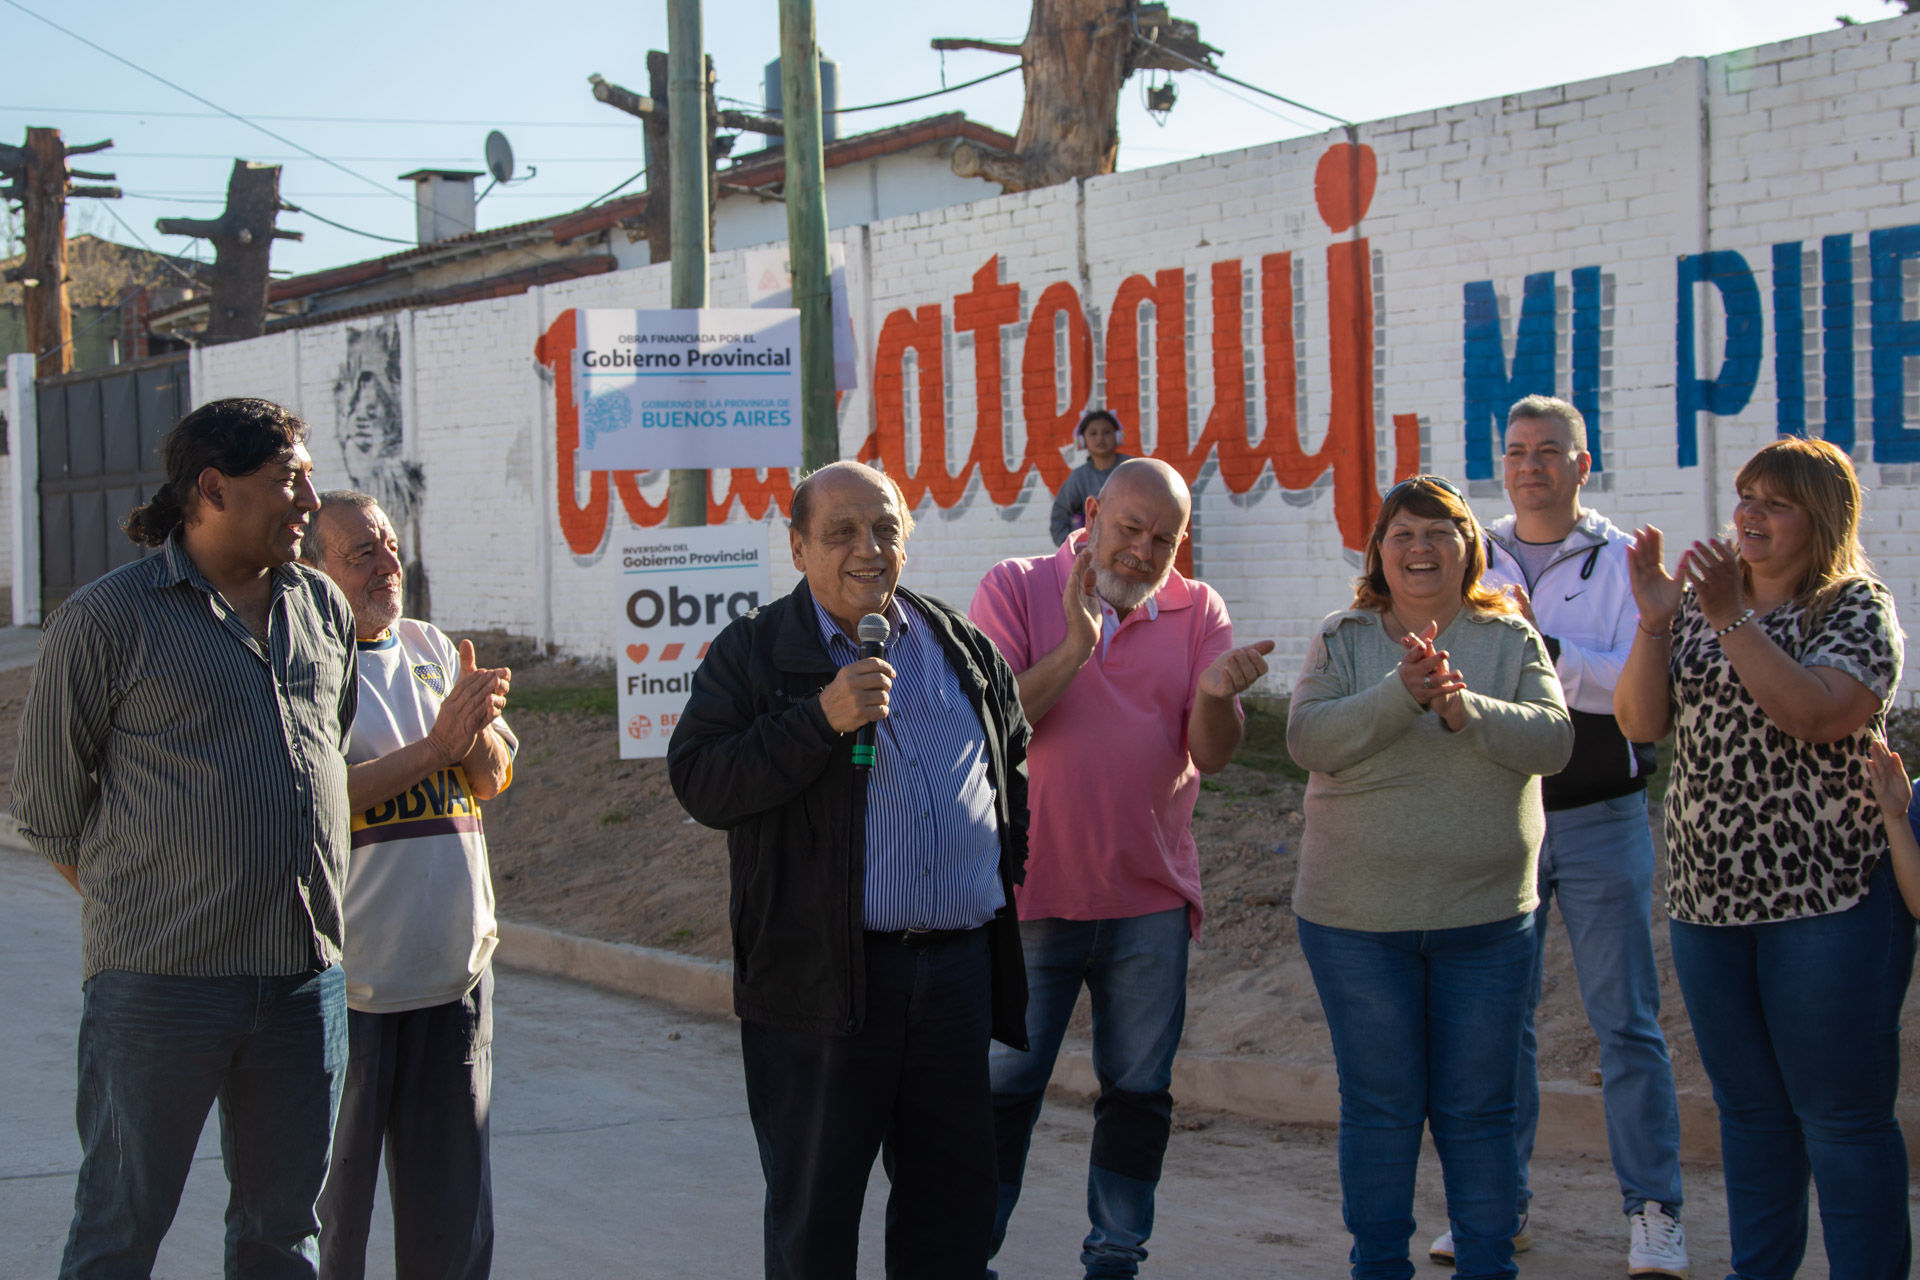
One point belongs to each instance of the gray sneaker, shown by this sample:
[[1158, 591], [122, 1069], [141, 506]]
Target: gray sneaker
[[1659, 1243], [1441, 1250]]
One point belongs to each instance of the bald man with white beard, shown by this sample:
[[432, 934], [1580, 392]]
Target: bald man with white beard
[[1130, 677]]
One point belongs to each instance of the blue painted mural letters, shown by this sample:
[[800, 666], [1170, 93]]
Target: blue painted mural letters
[[1789, 340], [1490, 391], [1586, 356], [1728, 391], [1895, 341], [1836, 337]]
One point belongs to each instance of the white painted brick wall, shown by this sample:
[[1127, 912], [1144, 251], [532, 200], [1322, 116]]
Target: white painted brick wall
[[1807, 138]]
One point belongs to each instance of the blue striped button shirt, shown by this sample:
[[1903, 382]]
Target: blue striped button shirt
[[933, 844]]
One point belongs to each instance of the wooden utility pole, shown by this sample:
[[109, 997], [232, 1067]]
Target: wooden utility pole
[[650, 109], [242, 239], [1076, 56], [687, 136], [683, 186], [806, 196], [40, 180]]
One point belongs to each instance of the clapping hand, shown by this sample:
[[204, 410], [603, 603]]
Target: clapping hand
[[477, 698], [1080, 605], [1887, 774], [1712, 568], [1525, 601], [1430, 679], [1656, 593], [1235, 670]]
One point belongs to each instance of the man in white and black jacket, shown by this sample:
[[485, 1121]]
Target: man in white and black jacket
[[1568, 567]]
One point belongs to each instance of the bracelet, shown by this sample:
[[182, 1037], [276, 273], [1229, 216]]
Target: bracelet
[[1664, 635], [1733, 626]]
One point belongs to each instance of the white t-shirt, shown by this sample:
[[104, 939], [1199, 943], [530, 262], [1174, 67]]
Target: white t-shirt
[[420, 928]]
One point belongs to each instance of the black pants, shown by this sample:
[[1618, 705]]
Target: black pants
[[913, 1078], [420, 1084]]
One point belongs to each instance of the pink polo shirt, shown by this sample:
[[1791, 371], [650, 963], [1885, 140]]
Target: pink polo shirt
[[1111, 787]]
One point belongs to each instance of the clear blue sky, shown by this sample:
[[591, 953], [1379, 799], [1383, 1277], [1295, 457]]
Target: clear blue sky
[[484, 64]]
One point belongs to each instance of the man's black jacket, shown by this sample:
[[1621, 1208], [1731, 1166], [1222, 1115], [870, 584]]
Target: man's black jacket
[[753, 754]]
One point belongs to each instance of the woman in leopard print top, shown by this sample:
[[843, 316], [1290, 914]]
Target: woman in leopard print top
[[1771, 658]]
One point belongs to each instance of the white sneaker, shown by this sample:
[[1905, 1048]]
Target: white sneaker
[[1659, 1243], [1441, 1250]]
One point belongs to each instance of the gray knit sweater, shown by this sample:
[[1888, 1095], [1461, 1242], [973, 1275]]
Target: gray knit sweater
[[1070, 504], [1410, 825]]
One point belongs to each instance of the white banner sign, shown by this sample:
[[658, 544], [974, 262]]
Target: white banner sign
[[679, 588], [695, 389], [770, 284]]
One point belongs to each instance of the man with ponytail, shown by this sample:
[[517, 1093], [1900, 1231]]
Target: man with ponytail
[[181, 764]]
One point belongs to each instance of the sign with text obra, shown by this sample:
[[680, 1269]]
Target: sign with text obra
[[679, 588], [696, 389]]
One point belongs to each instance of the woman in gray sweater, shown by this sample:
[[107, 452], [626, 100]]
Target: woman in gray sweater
[[1426, 713], [1100, 434]]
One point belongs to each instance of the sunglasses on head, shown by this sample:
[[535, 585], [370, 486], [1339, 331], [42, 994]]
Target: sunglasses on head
[[1439, 482]]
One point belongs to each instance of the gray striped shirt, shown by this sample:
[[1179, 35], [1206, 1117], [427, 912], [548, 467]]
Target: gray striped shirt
[[196, 777]]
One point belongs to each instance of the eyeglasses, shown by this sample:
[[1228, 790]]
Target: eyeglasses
[[1438, 481]]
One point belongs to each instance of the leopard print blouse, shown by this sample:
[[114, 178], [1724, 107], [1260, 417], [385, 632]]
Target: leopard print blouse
[[1762, 826]]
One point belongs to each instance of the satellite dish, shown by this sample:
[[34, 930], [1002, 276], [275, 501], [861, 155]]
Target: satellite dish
[[499, 157]]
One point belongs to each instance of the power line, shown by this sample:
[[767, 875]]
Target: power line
[[394, 120], [896, 102], [205, 102], [118, 154], [341, 226], [201, 196], [1218, 74], [617, 190], [1258, 106], [163, 257]]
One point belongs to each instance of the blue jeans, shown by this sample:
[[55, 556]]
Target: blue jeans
[[1426, 1032], [1598, 862], [1136, 972], [1798, 1024], [156, 1052]]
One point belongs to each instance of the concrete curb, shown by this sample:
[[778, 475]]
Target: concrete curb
[[685, 982], [1572, 1119]]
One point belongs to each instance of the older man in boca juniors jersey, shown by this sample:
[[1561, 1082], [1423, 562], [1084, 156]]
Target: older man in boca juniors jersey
[[427, 748]]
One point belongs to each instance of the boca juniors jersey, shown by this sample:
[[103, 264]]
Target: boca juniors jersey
[[420, 926]]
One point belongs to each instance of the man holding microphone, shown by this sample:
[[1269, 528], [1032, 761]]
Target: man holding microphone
[[874, 946]]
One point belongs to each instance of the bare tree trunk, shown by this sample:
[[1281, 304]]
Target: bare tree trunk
[[49, 320], [1075, 58], [242, 239]]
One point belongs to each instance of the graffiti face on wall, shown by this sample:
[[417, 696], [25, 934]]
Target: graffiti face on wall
[[367, 416]]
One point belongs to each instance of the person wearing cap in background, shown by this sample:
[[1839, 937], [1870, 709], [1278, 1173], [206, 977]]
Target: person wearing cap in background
[[1100, 434]]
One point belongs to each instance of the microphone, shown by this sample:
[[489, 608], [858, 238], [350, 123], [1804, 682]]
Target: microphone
[[873, 631]]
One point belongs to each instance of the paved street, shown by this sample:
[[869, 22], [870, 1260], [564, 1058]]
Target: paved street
[[622, 1151], [19, 646]]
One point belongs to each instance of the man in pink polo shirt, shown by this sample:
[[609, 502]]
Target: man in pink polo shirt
[[1130, 678]]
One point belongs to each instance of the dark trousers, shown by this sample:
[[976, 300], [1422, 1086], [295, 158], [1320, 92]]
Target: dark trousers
[[914, 1078], [419, 1083], [156, 1052]]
